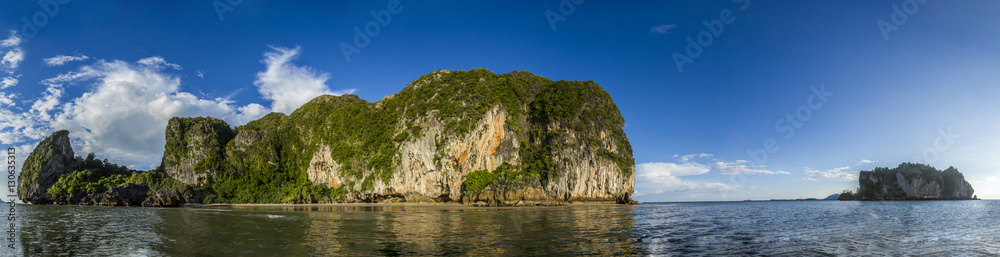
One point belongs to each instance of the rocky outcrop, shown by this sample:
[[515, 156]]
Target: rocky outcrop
[[51, 158], [564, 138], [911, 181], [195, 148]]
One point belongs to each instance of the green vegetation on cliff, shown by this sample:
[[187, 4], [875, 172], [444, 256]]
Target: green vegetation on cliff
[[266, 161], [910, 181], [92, 176]]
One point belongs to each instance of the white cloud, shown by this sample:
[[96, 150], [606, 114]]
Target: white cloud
[[662, 28], [688, 157], [727, 168], [63, 59], [739, 167], [157, 62], [11, 53], [7, 99], [13, 41], [991, 179], [865, 161], [665, 177], [836, 174], [289, 86], [655, 178], [124, 112], [8, 82], [201, 74], [124, 115]]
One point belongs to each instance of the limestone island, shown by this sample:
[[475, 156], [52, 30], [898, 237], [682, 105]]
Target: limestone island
[[469, 137], [911, 181]]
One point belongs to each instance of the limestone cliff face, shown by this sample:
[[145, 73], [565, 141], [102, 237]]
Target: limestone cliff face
[[51, 158], [913, 182], [564, 141], [196, 148]]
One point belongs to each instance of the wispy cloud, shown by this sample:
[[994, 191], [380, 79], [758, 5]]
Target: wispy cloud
[[835, 174], [201, 74], [8, 82], [866, 161], [63, 59], [665, 177], [289, 86], [11, 53], [157, 62], [662, 28], [654, 178]]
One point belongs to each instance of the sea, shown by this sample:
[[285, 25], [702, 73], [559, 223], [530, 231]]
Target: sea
[[758, 228]]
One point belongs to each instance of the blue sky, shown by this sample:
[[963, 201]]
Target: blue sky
[[864, 86]]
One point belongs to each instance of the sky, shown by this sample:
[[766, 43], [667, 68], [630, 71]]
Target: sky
[[723, 100]]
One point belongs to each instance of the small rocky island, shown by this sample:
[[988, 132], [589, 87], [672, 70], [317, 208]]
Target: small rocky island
[[911, 181], [470, 137]]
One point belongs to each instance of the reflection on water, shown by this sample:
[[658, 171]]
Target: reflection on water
[[347, 230], [688, 229], [422, 231]]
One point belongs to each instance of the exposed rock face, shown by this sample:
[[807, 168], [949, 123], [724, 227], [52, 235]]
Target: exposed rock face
[[51, 158], [195, 148], [565, 137], [913, 182]]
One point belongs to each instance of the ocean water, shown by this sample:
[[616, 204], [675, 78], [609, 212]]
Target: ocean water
[[793, 228]]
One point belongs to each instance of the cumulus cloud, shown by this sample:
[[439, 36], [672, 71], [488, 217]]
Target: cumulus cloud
[[63, 59], [835, 174], [123, 113], [289, 86], [662, 28]]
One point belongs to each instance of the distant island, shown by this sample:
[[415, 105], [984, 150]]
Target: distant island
[[470, 137], [911, 181]]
